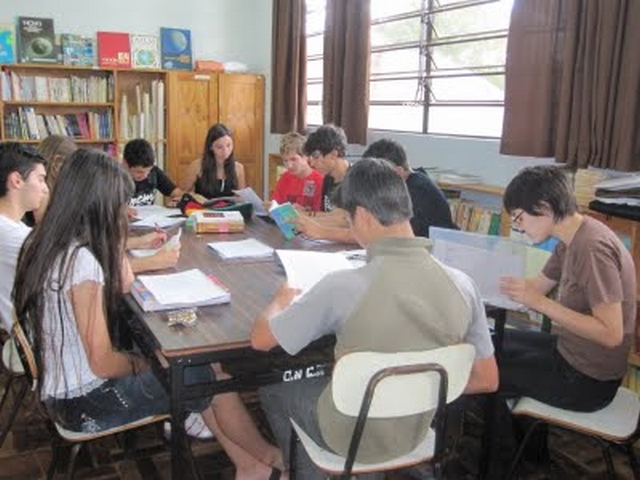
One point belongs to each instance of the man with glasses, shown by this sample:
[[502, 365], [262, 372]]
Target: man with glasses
[[22, 189]]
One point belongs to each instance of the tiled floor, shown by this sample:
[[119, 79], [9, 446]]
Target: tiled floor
[[25, 455]]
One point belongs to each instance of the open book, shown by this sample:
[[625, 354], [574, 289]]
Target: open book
[[191, 288], [247, 194], [284, 214]]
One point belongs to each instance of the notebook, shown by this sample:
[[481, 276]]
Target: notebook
[[191, 288]]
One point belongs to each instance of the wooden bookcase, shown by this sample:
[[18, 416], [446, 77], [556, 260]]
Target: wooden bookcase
[[182, 107], [35, 96]]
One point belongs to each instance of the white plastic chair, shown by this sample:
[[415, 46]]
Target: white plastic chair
[[616, 424], [388, 385]]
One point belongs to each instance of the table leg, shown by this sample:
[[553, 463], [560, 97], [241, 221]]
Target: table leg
[[488, 441], [182, 461]]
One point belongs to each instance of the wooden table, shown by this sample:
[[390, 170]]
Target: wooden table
[[222, 332]]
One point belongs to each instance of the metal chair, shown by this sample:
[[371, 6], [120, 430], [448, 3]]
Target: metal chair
[[77, 439], [616, 424], [390, 385]]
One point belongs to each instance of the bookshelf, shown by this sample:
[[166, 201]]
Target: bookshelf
[[98, 107]]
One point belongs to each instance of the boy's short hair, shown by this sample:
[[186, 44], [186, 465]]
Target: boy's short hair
[[373, 184], [139, 153], [292, 142], [390, 150], [539, 189], [16, 157], [325, 140]]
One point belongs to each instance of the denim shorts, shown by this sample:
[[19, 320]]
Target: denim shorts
[[119, 401]]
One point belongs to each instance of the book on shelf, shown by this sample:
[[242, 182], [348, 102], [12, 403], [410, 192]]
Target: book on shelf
[[77, 50], [7, 44], [284, 215], [176, 48], [191, 288], [114, 50], [209, 221], [36, 40], [145, 51]]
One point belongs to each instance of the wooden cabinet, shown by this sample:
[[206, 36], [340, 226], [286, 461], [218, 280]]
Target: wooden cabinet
[[198, 100]]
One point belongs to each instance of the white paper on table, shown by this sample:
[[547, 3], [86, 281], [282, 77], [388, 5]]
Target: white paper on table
[[485, 267], [249, 248], [145, 211], [249, 195], [173, 242], [304, 269], [188, 287], [159, 221]]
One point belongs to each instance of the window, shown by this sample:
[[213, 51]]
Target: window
[[437, 66]]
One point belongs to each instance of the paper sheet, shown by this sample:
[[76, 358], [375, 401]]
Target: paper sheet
[[249, 195], [305, 269], [188, 287], [249, 248], [173, 242]]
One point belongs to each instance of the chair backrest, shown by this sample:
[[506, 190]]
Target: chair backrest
[[25, 351], [400, 395]]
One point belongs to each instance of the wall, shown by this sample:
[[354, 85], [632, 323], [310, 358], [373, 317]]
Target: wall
[[240, 30]]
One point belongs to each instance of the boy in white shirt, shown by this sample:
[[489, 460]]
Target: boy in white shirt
[[22, 189]]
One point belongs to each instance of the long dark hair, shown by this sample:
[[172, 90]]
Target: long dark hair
[[207, 181], [87, 209]]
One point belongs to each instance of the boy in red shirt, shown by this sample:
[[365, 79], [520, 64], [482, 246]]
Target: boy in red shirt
[[300, 184]]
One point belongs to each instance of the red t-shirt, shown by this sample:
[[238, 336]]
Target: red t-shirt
[[306, 192]]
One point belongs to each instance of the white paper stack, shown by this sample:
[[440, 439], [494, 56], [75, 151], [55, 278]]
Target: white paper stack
[[249, 248], [191, 288]]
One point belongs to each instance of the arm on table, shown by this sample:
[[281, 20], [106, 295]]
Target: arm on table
[[261, 336], [318, 228]]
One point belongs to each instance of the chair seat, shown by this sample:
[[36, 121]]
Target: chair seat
[[616, 422], [73, 436], [332, 463], [10, 358]]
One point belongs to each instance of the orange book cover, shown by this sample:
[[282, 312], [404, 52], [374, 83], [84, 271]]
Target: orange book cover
[[114, 50]]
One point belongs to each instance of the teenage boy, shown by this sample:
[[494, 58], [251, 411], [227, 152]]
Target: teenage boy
[[140, 160], [300, 184], [326, 148], [427, 305], [22, 189], [430, 207]]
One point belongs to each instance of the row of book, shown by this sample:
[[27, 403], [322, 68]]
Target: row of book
[[38, 88], [37, 42], [472, 217], [25, 124]]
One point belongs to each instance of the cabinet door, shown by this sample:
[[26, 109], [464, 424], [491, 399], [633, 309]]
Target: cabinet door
[[192, 107], [241, 108]]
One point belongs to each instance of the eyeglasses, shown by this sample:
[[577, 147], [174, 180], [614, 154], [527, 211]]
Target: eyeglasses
[[516, 220]]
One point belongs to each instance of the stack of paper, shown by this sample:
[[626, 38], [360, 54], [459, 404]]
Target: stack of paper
[[249, 248], [191, 288]]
